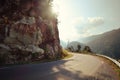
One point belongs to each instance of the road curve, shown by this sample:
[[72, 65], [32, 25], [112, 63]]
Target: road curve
[[79, 67]]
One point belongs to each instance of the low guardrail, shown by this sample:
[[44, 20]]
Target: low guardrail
[[113, 60]]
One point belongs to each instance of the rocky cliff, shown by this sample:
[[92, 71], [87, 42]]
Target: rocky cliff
[[28, 31]]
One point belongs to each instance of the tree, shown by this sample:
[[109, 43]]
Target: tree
[[87, 49], [71, 48], [78, 48]]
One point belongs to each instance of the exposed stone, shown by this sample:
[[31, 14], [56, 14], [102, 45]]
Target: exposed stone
[[28, 31], [26, 20], [34, 49], [50, 51], [5, 47]]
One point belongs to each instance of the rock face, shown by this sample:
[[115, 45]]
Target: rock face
[[28, 31]]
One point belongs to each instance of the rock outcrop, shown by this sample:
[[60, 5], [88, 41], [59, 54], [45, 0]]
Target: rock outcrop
[[28, 31]]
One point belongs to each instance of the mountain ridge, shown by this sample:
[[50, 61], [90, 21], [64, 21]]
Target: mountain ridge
[[107, 43]]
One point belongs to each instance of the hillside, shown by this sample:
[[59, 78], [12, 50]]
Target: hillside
[[107, 43]]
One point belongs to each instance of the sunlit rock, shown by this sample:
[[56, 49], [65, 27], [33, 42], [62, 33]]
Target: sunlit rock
[[28, 31]]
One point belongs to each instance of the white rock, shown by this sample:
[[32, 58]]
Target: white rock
[[4, 46], [29, 20], [34, 49]]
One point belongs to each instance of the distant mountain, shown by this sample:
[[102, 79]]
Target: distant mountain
[[107, 43], [63, 43], [88, 39], [75, 44]]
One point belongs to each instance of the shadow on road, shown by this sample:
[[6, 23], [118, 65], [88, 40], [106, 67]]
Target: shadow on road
[[46, 71]]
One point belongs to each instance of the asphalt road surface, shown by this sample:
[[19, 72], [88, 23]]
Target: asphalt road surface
[[79, 67]]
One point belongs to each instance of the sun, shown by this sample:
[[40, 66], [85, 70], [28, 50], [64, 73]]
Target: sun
[[59, 7], [55, 6]]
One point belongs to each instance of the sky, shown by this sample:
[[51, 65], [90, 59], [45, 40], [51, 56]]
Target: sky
[[83, 18]]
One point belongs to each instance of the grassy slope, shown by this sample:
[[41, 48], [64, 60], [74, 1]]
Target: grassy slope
[[113, 65]]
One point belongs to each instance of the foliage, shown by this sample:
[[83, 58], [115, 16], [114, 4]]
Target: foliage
[[64, 53], [35, 55], [70, 49], [3, 58], [79, 48], [87, 49]]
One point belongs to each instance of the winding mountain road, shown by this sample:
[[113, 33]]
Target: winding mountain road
[[79, 67]]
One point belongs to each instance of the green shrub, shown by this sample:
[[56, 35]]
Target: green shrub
[[87, 49], [35, 55], [64, 53]]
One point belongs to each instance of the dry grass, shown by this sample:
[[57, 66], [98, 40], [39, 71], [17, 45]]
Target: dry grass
[[113, 65], [66, 54]]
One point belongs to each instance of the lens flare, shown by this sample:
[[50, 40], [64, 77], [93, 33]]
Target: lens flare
[[55, 6]]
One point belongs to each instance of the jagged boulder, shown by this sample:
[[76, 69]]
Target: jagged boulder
[[19, 54]]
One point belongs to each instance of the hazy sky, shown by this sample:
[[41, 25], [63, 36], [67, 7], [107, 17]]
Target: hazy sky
[[82, 18]]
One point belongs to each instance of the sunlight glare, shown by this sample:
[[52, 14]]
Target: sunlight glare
[[63, 12], [55, 6]]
